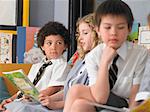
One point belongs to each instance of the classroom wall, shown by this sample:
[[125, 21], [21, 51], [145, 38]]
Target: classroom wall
[[42, 11], [140, 9]]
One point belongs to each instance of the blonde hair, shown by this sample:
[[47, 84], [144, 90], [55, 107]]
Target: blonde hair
[[90, 20]]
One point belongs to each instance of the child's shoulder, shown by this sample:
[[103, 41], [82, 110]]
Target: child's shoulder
[[59, 60], [137, 49]]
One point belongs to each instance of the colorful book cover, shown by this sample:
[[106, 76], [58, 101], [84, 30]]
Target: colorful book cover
[[143, 107], [6, 48], [22, 82]]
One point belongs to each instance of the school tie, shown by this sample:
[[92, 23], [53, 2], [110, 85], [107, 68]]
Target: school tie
[[40, 72], [38, 76], [113, 71]]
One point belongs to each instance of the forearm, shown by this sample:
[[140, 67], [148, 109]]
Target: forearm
[[100, 89], [59, 96], [51, 90], [134, 90]]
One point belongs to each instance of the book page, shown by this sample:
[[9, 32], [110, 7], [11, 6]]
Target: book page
[[22, 82], [114, 109]]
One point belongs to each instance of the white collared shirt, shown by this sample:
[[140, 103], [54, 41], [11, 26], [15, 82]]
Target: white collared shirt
[[78, 74], [131, 64], [54, 75], [144, 91]]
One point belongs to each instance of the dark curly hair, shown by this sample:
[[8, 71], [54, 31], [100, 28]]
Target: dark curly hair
[[52, 28]]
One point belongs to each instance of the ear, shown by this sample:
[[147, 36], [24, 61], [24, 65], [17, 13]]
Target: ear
[[66, 46], [97, 30], [130, 29]]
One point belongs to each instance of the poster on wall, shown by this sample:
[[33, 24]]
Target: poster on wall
[[8, 12], [5, 48], [27, 50], [144, 36]]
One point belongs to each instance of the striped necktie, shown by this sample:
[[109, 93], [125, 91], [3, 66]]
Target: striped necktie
[[113, 71], [38, 76], [40, 72]]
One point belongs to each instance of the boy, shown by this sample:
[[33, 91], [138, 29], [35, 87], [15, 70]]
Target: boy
[[119, 83], [50, 74]]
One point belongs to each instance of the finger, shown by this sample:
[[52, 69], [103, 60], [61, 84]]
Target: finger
[[2, 108], [42, 98], [4, 102], [41, 95], [44, 103]]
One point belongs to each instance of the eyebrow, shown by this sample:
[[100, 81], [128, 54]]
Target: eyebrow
[[116, 24]]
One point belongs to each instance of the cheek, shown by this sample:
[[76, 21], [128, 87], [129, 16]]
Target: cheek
[[89, 44], [123, 36], [104, 39], [61, 49]]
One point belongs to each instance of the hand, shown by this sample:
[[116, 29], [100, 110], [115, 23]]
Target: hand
[[42, 97], [4, 102], [108, 54], [45, 100], [27, 98]]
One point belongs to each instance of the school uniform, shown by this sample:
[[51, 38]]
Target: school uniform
[[77, 75], [55, 74], [131, 65], [144, 90]]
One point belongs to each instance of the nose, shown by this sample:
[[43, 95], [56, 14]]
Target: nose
[[113, 31], [53, 46], [80, 37]]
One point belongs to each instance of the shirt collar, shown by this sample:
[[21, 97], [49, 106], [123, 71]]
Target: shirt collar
[[44, 60], [122, 51]]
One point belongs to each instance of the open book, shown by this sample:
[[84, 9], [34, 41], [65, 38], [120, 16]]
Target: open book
[[113, 109], [22, 82]]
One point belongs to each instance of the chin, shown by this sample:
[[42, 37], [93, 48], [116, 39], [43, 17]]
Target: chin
[[115, 47]]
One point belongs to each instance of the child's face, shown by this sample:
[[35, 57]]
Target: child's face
[[85, 36], [113, 30], [54, 46]]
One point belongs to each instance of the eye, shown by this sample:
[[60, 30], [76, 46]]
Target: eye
[[85, 33], [107, 27], [121, 27], [59, 42], [48, 43]]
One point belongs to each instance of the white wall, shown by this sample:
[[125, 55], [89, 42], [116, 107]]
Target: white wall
[[61, 11], [41, 11], [140, 9]]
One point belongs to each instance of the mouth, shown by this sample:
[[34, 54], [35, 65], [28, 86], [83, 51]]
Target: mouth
[[113, 40]]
